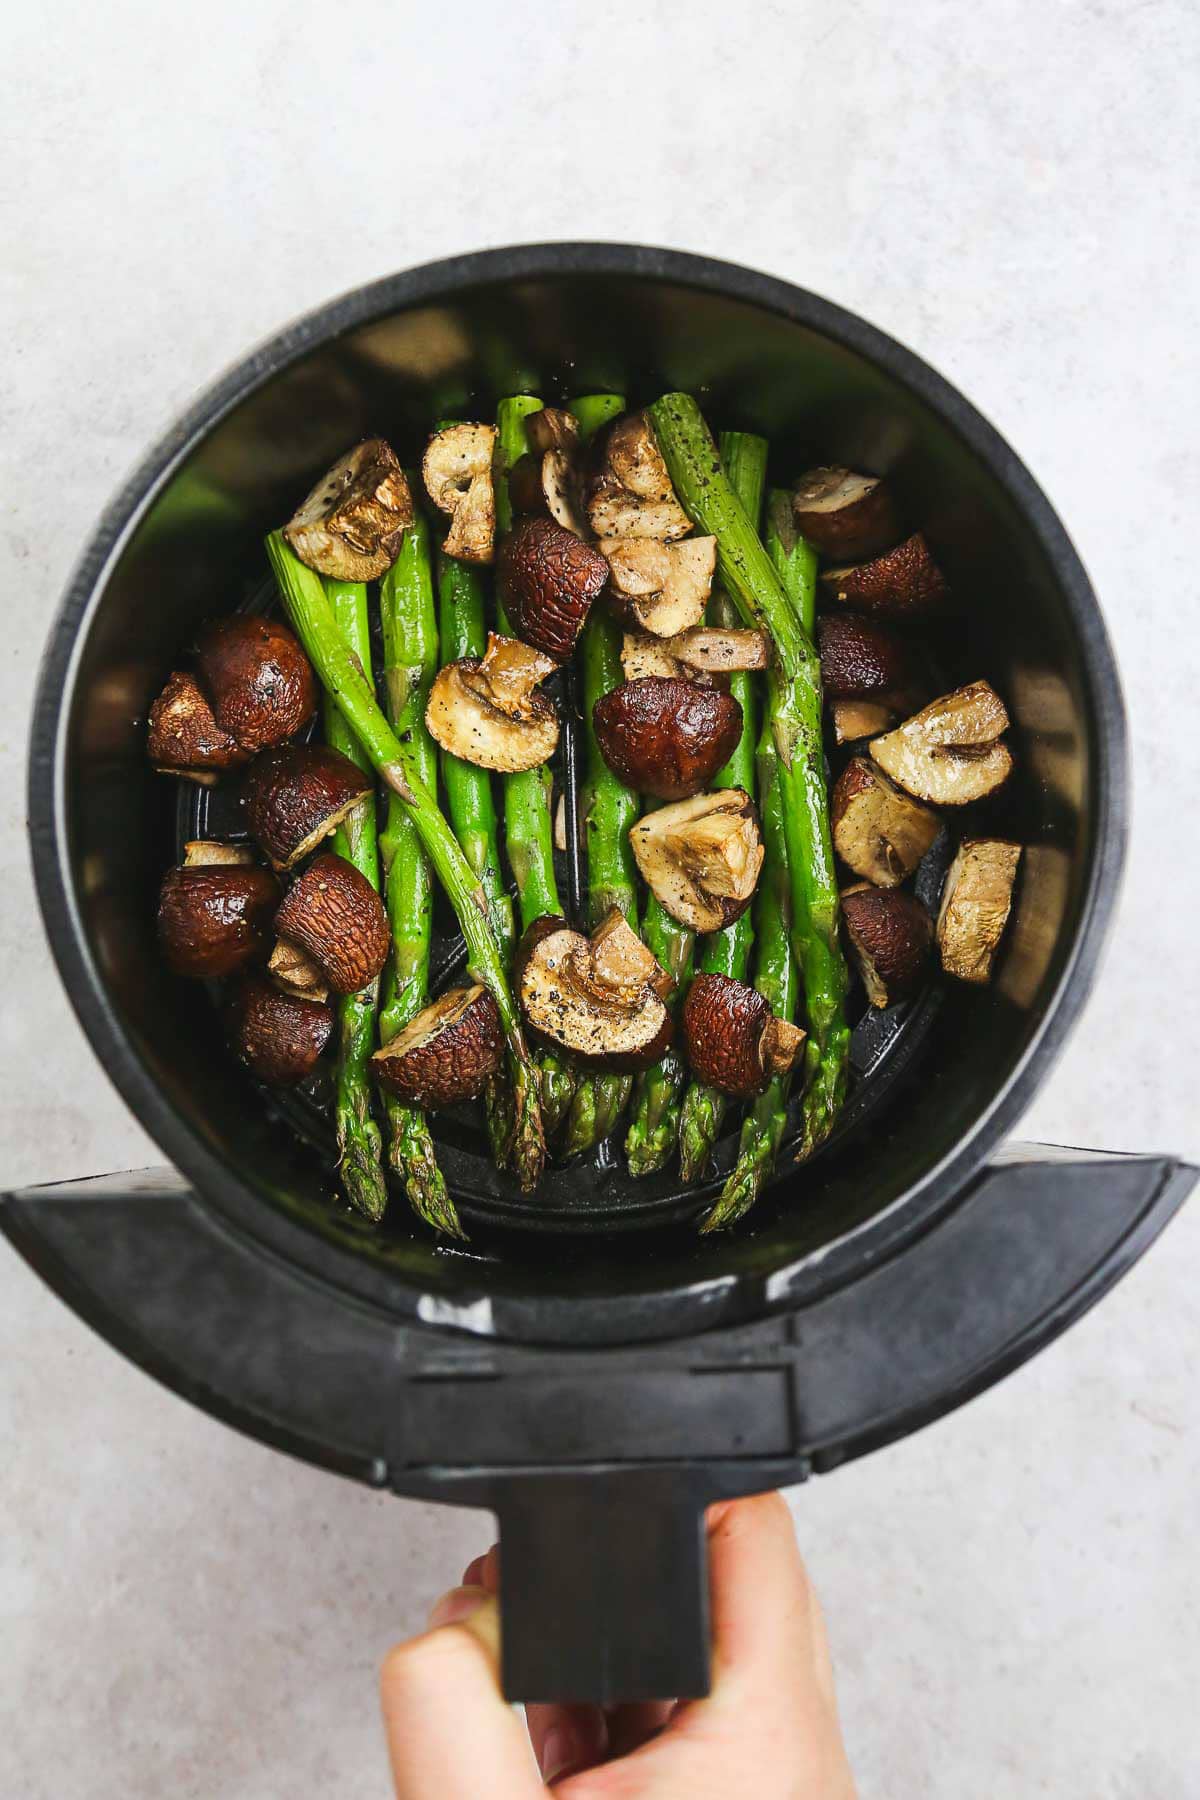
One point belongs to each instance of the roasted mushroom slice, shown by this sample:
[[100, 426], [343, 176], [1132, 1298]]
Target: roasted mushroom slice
[[951, 752], [291, 969], [547, 481], [854, 720], [879, 831], [976, 902], [257, 678], [666, 737], [214, 917], [447, 1053], [844, 514], [351, 525], [705, 654], [279, 1037], [184, 738], [904, 583], [211, 853], [630, 492], [547, 580], [890, 935], [457, 471], [601, 998], [701, 857], [552, 428], [732, 1039], [486, 709], [334, 914], [297, 795], [663, 588]]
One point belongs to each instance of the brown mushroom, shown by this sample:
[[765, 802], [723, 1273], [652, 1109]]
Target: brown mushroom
[[854, 720], [663, 588], [890, 936], [457, 471], [878, 830], [447, 1053], [601, 998], [844, 514], [701, 857], [666, 737], [904, 583], [293, 970], [296, 796], [552, 428], [548, 482], [732, 1039], [214, 918], [279, 1037], [705, 654], [351, 525], [862, 659], [976, 902], [547, 581], [951, 752], [630, 492], [334, 914], [486, 709], [184, 738], [257, 678]]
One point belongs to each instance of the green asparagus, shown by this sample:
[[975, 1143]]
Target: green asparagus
[[360, 1148]]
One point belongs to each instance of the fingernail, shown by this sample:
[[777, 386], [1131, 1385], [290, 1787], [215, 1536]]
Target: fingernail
[[560, 1753], [457, 1605]]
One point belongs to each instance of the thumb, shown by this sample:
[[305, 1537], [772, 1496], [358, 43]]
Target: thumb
[[451, 1735]]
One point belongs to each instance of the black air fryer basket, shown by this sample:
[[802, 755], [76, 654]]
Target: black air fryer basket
[[587, 1367]]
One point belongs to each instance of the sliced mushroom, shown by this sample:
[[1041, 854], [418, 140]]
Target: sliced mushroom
[[904, 583], [706, 654], [601, 998], [213, 919], [976, 902], [552, 428], [666, 738], [447, 1053], [334, 914], [210, 853], [863, 659], [296, 973], [854, 720], [878, 830], [487, 711], [701, 857], [844, 514], [664, 588], [890, 935], [184, 738], [278, 1036], [351, 525], [547, 581], [457, 471], [257, 678], [732, 1039], [630, 493], [297, 795], [548, 482], [951, 752]]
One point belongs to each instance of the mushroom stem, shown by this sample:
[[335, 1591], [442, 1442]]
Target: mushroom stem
[[752, 580], [399, 765]]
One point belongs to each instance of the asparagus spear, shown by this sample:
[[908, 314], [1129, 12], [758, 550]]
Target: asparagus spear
[[360, 1146], [399, 766], [727, 952], [654, 1130], [794, 689]]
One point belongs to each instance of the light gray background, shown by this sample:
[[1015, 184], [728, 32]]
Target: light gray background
[[1014, 1595]]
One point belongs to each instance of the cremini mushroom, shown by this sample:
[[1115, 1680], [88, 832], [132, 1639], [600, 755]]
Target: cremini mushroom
[[457, 472], [701, 857], [547, 579], [879, 831], [663, 588], [844, 514], [293, 970], [296, 796], [904, 583], [257, 679], [667, 738], [486, 709], [854, 720], [890, 936], [214, 915], [278, 1036], [334, 915], [351, 525], [447, 1053], [629, 493], [705, 654], [976, 902], [183, 737], [865, 659], [732, 1039], [548, 478], [952, 751], [601, 998]]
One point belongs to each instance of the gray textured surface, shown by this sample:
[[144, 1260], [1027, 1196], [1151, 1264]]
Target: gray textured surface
[[1015, 1595]]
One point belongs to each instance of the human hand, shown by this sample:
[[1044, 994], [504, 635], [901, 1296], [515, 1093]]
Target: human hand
[[769, 1727]]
